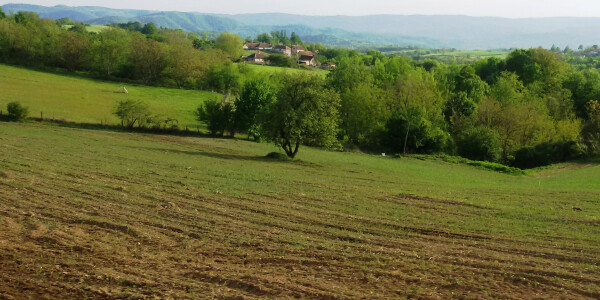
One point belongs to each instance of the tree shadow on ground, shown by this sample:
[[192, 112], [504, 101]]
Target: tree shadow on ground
[[229, 156]]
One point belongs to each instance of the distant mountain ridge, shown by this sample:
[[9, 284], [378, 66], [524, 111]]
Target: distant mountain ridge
[[461, 32]]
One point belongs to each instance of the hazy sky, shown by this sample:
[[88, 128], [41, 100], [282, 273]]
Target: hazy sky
[[501, 8]]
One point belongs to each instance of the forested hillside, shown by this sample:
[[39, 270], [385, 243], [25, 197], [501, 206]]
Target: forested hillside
[[461, 32]]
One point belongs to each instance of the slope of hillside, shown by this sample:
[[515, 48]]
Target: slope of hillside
[[97, 214], [462, 32], [90, 101]]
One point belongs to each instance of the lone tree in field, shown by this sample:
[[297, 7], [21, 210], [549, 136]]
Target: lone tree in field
[[132, 112], [305, 112]]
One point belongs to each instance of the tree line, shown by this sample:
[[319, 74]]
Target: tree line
[[526, 110], [123, 52], [529, 109]]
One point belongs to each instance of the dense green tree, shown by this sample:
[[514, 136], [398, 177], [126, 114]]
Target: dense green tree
[[281, 60], [2, 14], [468, 82], [149, 29], [305, 112], [479, 143], [363, 113], [79, 28], [263, 38], [584, 86], [349, 73], [224, 78], [256, 96], [508, 89], [419, 89], [110, 51], [218, 115], [280, 37], [231, 44], [74, 50], [148, 58], [489, 69], [409, 131], [26, 18], [295, 39], [184, 60], [591, 129]]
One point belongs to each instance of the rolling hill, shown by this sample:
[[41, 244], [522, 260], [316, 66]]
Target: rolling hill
[[110, 214], [461, 32]]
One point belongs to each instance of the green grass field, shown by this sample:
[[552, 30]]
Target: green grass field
[[90, 28], [101, 214], [96, 28], [449, 55], [84, 100], [270, 70], [473, 53]]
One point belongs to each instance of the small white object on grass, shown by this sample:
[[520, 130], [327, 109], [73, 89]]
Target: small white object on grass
[[382, 154]]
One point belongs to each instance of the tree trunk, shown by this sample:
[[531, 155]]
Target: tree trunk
[[296, 149]]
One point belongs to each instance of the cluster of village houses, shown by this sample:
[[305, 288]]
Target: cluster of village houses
[[305, 57]]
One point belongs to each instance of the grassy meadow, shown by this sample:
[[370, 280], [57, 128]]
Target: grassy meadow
[[272, 70], [84, 100], [449, 55], [102, 214], [90, 28]]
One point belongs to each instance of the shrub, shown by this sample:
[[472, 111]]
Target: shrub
[[218, 116], [479, 143], [16, 112], [281, 60], [546, 154], [253, 102], [410, 127], [277, 156], [132, 112]]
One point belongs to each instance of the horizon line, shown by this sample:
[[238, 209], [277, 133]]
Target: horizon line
[[306, 15]]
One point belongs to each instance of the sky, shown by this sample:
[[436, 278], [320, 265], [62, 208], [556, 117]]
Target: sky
[[497, 8]]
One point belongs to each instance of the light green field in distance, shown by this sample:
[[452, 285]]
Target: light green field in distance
[[91, 28], [450, 54], [472, 53], [84, 100], [96, 28], [270, 70], [92, 214]]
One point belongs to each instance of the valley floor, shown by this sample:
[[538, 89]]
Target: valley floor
[[101, 214]]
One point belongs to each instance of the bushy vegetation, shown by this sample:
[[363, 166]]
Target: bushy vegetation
[[495, 109], [547, 153], [16, 112], [479, 143], [218, 115], [132, 112], [132, 52]]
